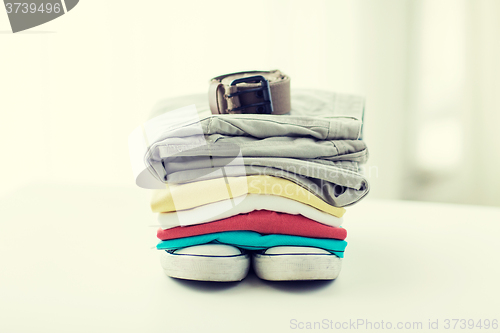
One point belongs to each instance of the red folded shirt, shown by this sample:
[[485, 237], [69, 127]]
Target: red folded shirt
[[261, 221]]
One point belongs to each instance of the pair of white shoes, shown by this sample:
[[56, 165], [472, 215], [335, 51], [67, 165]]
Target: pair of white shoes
[[225, 263]]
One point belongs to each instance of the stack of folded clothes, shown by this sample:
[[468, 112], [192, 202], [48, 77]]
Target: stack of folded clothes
[[236, 188]]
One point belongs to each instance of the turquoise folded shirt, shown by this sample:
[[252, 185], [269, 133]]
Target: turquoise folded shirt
[[250, 240]]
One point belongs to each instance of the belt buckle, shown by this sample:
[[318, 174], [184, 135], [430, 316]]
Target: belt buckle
[[264, 91]]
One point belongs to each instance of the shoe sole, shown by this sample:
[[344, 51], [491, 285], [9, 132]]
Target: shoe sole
[[205, 268], [296, 267]]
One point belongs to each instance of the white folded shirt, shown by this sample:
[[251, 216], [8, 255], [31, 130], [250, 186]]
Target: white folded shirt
[[246, 204]]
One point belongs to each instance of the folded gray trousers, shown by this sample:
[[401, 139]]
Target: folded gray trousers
[[318, 153]]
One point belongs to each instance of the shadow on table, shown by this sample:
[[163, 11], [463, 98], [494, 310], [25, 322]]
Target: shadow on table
[[206, 285], [299, 286]]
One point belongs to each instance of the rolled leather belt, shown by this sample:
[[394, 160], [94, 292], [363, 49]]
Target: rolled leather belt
[[250, 92]]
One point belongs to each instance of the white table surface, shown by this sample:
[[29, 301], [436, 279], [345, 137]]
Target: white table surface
[[80, 259]]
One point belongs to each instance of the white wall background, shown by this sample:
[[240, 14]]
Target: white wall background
[[72, 90]]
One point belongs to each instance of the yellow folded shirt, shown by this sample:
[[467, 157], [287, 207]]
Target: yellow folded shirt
[[186, 196]]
